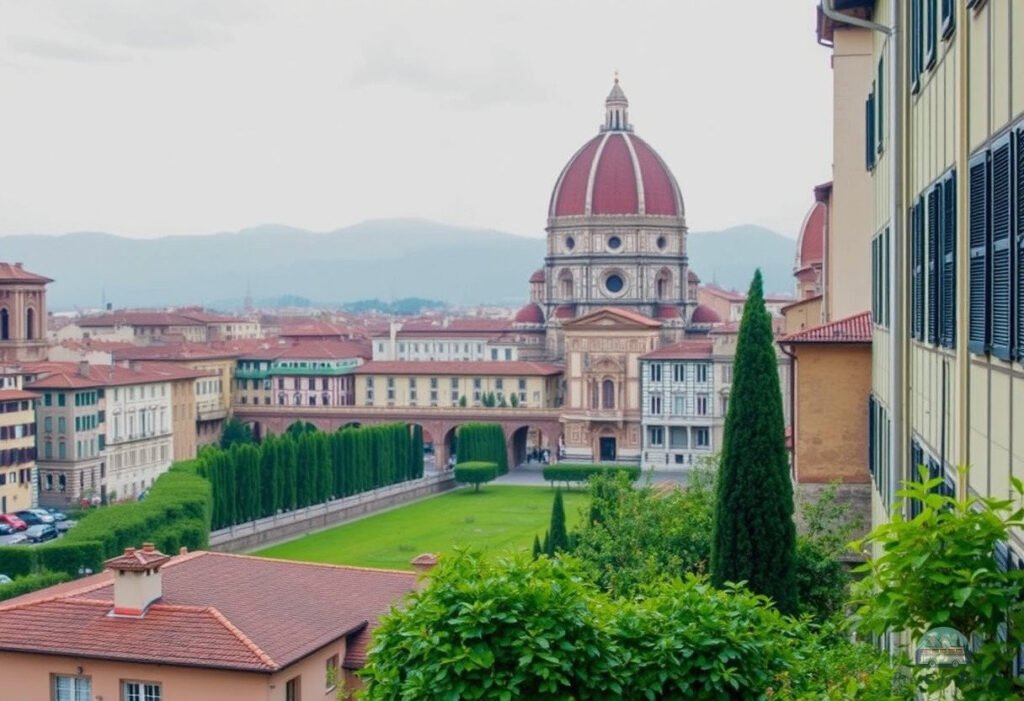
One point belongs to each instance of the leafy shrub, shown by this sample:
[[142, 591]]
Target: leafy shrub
[[581, 472], [475, 473], [31, 583], [16, 561], [70, 557]]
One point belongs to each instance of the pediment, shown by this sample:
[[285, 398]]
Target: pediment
[[610, 318]]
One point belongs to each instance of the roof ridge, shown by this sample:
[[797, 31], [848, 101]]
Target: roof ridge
[[242, 637], [92, 586]]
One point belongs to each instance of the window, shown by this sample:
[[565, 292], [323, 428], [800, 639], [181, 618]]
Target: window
[[656, 404], [702, 372], [141, 691], [701, 437], [48, 423], [930, 23], [678, 372], [607, 394], [870, 148], [331, 672], [62, 424], [292, 689], [933, 199], [655, 372], [614, 283], [947, 261], [702, 405], [656, 436], [678, 404], [917, 271], [880, 279], [614, 243], [678, 437], [72, 688], [1001, 217], [948, 18], [916, 53], [61, 400], [880, 104]]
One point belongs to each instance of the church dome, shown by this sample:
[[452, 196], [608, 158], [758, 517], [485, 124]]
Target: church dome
[[703, 314], [530, 314], [810, 246], [616, 173], [538, 276]]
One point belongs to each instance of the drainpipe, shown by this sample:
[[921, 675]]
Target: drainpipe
[[792, 402]]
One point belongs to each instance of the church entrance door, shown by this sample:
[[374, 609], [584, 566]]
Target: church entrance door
[[607, 448]]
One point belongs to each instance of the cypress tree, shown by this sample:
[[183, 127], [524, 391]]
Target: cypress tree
[[269, 481], [537, 552], [754, 534], [546, 548], [416, 469], [559, 537]]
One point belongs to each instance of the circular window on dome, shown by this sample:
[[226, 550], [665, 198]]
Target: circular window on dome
[[570, 242], [614, 243], [614, 283], [661, 243]]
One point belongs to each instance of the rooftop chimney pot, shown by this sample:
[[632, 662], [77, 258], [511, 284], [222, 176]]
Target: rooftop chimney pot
[[148, 548]]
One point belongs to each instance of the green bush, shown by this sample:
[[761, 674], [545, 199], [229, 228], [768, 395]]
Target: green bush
[[475, 473], [31, 583], [16, 560], [70, 557], [482, 442], [581, 472]]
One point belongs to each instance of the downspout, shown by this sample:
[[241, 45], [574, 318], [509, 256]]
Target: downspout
[[792, 403], [963, 358]]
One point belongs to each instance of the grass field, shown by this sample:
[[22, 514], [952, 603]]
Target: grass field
[[499, 517]]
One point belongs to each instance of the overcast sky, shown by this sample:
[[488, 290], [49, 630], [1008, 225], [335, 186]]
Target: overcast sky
[[193, 116]]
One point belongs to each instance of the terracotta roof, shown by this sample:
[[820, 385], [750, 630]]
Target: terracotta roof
[[446, 367], [733, 327], [326, 350], [530, 314], [52, 375], [11, 395], [692, 277], [538, 276], [318, 329], [13, 272], [175, 351], [667, 311], [138, 560], [704, 314], [682, 350], [852, 329], [217, 610], [139, 318], [731, 295], [171, 371]]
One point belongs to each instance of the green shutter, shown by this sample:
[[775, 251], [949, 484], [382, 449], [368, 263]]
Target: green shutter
[[947, 248], [933, 200], [977, 235], [999, 268], [1018, 167]]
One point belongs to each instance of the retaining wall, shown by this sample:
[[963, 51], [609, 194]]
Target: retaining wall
[[284, 526]]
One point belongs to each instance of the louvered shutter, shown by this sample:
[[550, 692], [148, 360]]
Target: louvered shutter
[[869, 132], [917, 283], [915, 44], [978, 305], [1019, 225], [947, 279], [885, 278], [999, 268], [948, 18], [929, 32], [879, 93], [916, 458], [934, 196]]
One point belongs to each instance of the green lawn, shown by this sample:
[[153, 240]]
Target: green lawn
[[499, 517]]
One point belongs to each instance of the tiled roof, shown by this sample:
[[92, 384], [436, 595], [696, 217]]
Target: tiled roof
[[682, 350], [171, 371], [138, 560], [317, 329], [852, 329], [13, 272], [175, 351], [446, 367], [326, 350], [139, 318], [717, 291], [704, 314], [733, 327], [530, 314], [217, 610], [538, 275], [53, 375], [11, 395]]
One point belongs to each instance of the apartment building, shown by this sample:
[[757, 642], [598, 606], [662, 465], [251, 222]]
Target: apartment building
[[17, 444], [311, 373]]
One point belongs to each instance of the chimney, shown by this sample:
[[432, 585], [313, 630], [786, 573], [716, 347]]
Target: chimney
[[137, 580], [83, 368], [423, 564]]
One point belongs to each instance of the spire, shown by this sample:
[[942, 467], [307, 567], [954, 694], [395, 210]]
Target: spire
[[616, 108]]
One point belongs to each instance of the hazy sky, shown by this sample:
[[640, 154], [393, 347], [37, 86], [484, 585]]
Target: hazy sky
[[193, 116]]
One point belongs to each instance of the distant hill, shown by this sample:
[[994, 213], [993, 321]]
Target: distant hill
[[387, 259]]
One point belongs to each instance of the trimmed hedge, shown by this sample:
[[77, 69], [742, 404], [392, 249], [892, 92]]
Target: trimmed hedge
[[16, 560], [475, 473], [31, 583], [477, 442], [70, 558], [581, 472]]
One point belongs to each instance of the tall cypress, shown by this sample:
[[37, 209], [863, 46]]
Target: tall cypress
[[754, 534], [559, 541]]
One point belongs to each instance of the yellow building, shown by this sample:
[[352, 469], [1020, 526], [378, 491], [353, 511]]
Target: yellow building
[[17, 445], [943, 132], [411, 383]]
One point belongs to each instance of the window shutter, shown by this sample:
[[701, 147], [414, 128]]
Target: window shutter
[[917, 282], [933, 264], [929, 28], [947, 281], [948, 18], [872, 443], [885, 277], [916, 458], [1018, 160], [1000, 247], [869, 132], [978, 240], [916, 8], [880, 104]]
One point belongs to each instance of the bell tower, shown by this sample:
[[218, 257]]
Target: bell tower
[[22, 314]]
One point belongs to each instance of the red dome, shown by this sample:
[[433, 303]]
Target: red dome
[[703, 314], [565, 311], [692, 277], [530, 314], [616, 172], [538, 276], [811, 244]]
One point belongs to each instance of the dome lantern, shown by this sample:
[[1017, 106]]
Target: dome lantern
[[616, 109]]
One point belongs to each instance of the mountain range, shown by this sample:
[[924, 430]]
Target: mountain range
[[384, 258]]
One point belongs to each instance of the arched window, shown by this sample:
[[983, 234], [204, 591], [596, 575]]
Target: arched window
[[30, 323], [298, 399], [280, 397], [62, 483], [326, 396], [663, 285], [607, 394], [5, 325], [565, 284]]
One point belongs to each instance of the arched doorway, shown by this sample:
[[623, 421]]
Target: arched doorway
[[5, 325], [531, 446]]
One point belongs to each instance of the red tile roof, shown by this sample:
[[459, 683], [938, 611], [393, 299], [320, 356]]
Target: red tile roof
[[13, 272], [682, 350], [317, 329], [139, 318], [667, 311], [445, 367], [217, 610], [530, 314], [138, 560], [852, 329], [704, 314], [53, 375], [11, 395], [175, 351], [538, 276], [811, 242]]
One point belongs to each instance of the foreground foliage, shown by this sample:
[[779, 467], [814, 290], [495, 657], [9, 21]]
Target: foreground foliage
[[511, 628]]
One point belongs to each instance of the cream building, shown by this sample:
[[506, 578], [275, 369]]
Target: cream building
[[17, 444], [139, 446]]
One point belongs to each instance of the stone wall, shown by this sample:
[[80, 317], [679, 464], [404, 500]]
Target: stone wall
[[286, 526]]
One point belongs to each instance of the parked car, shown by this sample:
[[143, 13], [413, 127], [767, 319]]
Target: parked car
[[34, 516], [12, 520], [65, 525], [7, 529], [57, 514], [40, 533], [4, 579], [14, 539]]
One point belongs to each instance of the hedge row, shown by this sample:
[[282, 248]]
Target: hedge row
[[482, 442], [304, 467], [581, 472], [475, 473], [31, 583]]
